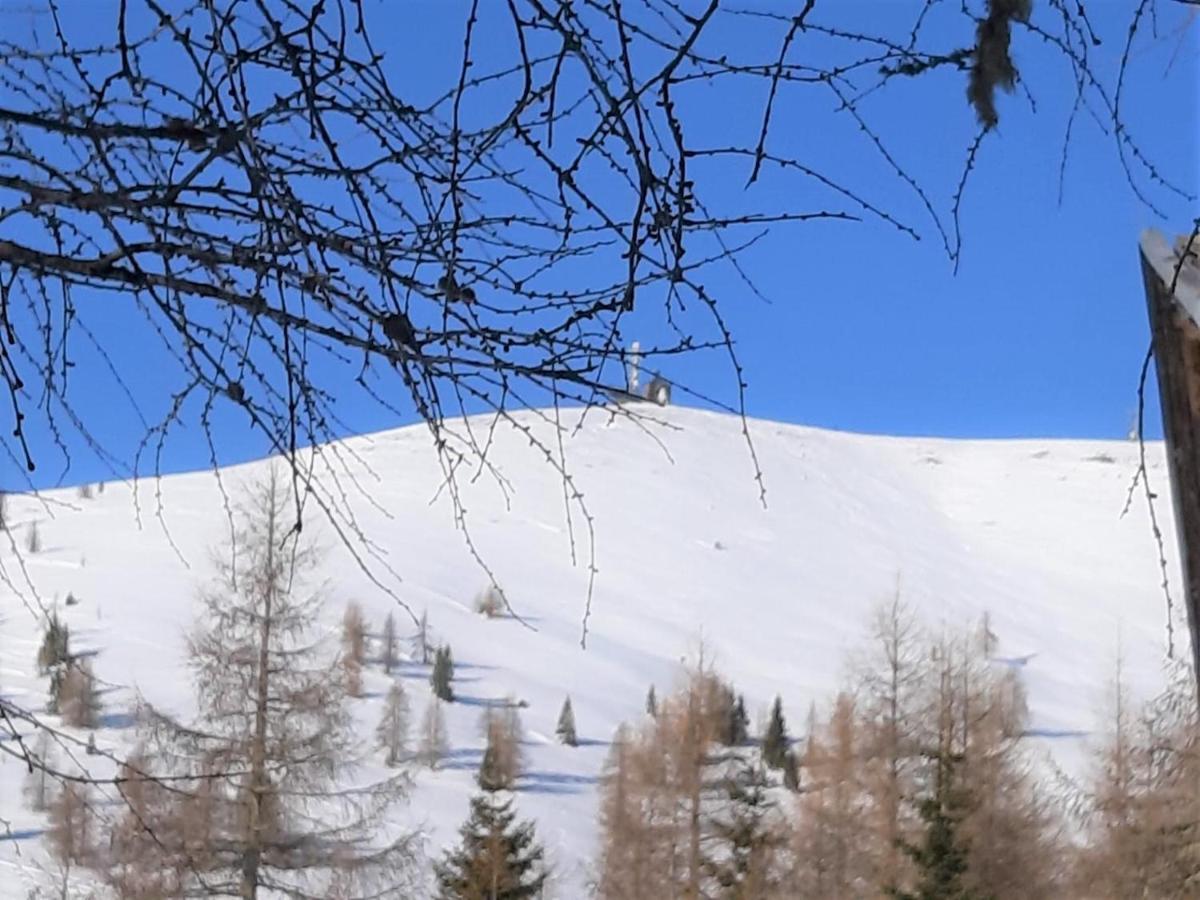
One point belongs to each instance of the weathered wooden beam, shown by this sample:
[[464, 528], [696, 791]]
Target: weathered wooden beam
[[1173, 300]]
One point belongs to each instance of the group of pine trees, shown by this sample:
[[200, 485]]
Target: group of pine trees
[[1142, 805], [254, 795], [916, 783]]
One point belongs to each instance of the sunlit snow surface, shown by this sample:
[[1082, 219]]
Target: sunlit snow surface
[[1029, 531]]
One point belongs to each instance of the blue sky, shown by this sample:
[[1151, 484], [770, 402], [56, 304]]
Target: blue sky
[[1040, 332]]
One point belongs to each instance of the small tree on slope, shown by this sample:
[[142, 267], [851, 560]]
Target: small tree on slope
[[775, 741], [354, 642], [392, 731], [941, 857], [497, 859], [56, 645], [442, 676], [566, 725], [420, 641], [78, 699], [388, 649], [434, 743]]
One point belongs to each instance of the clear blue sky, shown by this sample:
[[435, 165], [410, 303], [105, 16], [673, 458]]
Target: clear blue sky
[[1041, 331]]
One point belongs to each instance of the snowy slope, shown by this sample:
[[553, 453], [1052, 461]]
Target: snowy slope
[[1029, 531]]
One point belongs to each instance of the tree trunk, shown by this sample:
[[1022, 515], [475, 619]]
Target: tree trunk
[[252, 853]]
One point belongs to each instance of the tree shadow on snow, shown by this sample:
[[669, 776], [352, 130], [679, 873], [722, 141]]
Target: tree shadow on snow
[[21, 834], [488, 702], [556, 783], [118, 720], [460, 760], [1055, 733]]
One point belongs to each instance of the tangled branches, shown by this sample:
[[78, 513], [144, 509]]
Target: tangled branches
[[251, 191], [247, 180]]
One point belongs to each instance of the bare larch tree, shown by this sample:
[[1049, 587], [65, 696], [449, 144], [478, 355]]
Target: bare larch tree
[[256, 796]]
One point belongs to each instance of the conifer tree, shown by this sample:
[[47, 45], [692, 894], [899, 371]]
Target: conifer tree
[[270, 706], [566, 725], [502, 760], [492, 776], [890, 677], [72, 823], [56, 645], [738, 728], [442, 676], [651, 702], [38, 781], [630, 866], [658, 796], [388, 640], [392, 731], [78, 698], [775, 743], [748, 836], [352, 677], [498, 858], [941, 857], [791, 772], [833, 828], [57, 677], [420, 640], [1144, 801], [354, 640]]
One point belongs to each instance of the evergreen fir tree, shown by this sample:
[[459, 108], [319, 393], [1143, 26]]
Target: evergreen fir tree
[[941, 858], [498, 858], [566, 725], [57, 677], [443, 675], [55, 649], [738, 727], [652, 702], [775, 741], [748, 864]]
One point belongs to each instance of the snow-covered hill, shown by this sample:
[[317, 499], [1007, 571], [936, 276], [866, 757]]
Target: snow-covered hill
[[1029, 531]]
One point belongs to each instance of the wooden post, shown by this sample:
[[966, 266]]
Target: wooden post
[[1173, 298]]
